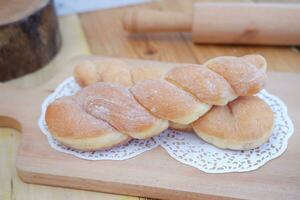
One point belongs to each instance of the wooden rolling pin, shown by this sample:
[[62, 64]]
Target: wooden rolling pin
[[225, 23]]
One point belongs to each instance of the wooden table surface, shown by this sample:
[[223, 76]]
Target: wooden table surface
[[101, 33]]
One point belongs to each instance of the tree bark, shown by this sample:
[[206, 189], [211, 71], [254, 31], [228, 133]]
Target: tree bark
[[29, 36]]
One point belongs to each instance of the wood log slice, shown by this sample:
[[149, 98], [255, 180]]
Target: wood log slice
[[29, 36]]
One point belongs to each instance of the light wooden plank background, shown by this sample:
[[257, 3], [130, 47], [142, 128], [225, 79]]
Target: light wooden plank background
[[101, 33]]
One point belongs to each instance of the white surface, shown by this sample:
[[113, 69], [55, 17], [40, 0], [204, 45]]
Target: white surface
[[66, 7], [187, 148]]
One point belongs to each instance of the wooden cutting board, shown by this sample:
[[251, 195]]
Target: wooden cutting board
[[154, 173]]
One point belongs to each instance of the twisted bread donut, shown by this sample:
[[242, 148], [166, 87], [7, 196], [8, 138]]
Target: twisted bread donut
[[73, 127], [236, 70], [217, 82], [182, 97]]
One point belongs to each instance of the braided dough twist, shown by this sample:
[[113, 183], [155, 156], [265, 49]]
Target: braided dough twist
[[127, 102]]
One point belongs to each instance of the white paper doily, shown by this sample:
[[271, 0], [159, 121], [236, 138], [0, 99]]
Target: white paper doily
[[131, 149], [185, 147]]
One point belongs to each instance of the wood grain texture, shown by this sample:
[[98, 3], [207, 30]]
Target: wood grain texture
[[117, 42], [105, 37], [246, 23], [223, 23], [74, 44], [29, 36], [170, 46], [154, 173], [11, 187]]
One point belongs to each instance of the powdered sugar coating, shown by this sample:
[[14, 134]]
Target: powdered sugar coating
[[64, 112], [186, 148], [167, 101], [114, 71], [206, 85], [244, 77], [125, 151], [247, 119], [114, 104]]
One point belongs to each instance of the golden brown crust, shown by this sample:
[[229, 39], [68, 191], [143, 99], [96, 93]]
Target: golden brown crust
[[69, 124], [245, 78], [206, 85], [144, 110], [109, 70], [99, 117], [114, 104], [181, 127], [64, 112], [146, 73], [257, 60], [115, 71], [167, 101], [220, 80], [85, 73], [240, 124], [96, 143]]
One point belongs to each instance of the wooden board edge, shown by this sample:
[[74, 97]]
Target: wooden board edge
[[108, 187]]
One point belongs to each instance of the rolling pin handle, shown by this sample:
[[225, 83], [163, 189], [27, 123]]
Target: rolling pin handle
[[139, 21]]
